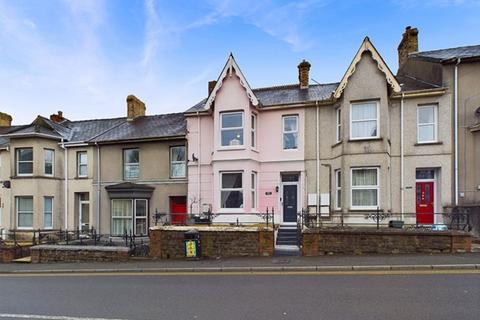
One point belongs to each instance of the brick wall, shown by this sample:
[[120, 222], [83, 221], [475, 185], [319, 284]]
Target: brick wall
[[58, 253], [168, 242], [320, 242]]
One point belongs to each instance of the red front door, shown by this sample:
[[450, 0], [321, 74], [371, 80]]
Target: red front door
[[178, 210], [425, 200]]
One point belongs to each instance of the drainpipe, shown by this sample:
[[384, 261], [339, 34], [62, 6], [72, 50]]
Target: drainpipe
[[402, 168], [99, 187], [455, 131], [318, 157], [65, 158], [199, 145]]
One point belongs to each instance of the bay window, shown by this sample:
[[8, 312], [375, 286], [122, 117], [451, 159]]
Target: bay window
[[364, 188], [24, 212], [231, 190], [364, 120], [24, 157], [178, 162], [427, 124], [48, 161], [254, 131], [290, 132], [48, 212], [253, 187], [338, 189], [338, 131], [231, 129], [129, 216], [131, 166]]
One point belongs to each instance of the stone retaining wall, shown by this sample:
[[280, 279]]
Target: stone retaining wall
[[9, 253], [364, 241], [168, 242], [73, 253]]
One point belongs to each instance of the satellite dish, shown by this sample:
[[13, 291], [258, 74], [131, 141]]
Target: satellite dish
[[477, 112]]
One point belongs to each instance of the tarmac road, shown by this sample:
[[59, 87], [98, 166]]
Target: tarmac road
[[440, 294]]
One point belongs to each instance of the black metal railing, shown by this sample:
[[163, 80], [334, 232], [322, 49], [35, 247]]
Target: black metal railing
[[266, 218], [383, 219]]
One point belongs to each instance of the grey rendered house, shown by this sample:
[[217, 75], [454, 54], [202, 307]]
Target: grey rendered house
[[110, 174], [457, 69], [379, 142]]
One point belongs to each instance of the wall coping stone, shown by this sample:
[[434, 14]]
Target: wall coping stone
[[79, 248], [391, 231], [211, 228]]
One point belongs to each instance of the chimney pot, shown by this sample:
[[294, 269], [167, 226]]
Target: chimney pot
[[408, 45], [211, 86], [135, 107], [304, 74], [5, 120]]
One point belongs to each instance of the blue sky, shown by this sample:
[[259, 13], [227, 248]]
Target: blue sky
[[85, 56]]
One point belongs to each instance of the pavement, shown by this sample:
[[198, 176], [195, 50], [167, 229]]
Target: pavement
[[258, 264]]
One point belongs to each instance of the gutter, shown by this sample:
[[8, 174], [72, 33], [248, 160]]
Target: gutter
[[419, 93], [455, 131], [65, 158], [402, 168]]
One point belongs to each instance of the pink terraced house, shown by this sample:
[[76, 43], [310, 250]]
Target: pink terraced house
[[246, 148]]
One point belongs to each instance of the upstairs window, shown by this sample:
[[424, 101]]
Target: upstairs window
[[427, 124], [254, 131], [290, 132], [82, 164], [231, 193], [338, 131], [178, 162], [24, 161], [231, 129], [48, 161], [131, 164], [364, 120]]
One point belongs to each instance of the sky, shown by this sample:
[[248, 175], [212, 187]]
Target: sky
[[85, 56]]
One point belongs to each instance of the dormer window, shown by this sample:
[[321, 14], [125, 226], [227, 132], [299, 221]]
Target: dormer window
[[231, 129]]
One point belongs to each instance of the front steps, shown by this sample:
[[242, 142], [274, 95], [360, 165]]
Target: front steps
[[287, 241]]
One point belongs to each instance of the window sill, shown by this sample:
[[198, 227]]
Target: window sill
[[433, 143], [365, 139], [337, 143], [178, 178], [81, 177], [290, 150], [231, 148], [35, 177]]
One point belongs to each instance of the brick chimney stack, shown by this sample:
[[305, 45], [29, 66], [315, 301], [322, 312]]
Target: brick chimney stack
[[135, 107], [211, 86], [304, 74], [58, 117], [5, 120], [408, 45]]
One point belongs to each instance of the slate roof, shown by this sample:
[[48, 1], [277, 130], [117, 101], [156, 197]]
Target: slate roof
[[164, 125], [447, 55], [287, 94], [409, 83], [102, 130]]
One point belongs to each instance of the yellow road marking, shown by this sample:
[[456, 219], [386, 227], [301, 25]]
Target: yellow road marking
[[247, 273]]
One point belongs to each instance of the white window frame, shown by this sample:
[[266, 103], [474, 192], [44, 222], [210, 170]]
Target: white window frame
[[45, 162], [253, 135], [338, 127], [17, 199], [253, 190], [82, 202], [17, 162], [364, 120], [136, 218], [292, 131], [45, 212], [125, 164], [240, 146], [435, 123], [232, 189], [338, 189], [172, 162], [376, 187], [80, 164], [112, 217]]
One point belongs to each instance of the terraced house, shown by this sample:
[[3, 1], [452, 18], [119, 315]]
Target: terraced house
[[110, 174], [373, 141]]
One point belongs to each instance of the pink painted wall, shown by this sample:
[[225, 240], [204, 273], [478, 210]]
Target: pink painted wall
[[268, 159]]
